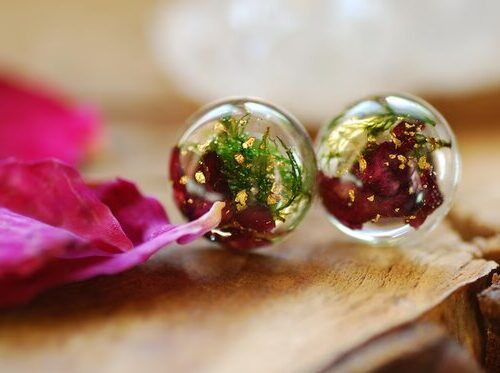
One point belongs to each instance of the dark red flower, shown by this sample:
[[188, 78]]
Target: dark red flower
[[390, 186], [245, 229]]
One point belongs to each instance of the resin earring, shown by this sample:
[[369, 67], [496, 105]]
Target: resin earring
[[388, 168], [253, 156]]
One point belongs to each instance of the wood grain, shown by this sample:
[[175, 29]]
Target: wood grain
[[413, 348], [489, 302]]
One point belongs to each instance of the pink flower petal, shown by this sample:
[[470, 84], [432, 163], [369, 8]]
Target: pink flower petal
[[37, 124], [15, 290], [55, 229], [140, 217], [27, 244], [55, 194]]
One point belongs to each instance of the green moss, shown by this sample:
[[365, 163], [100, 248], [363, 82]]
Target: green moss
[[258, 166]]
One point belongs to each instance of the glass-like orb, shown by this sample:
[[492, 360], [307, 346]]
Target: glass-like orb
[[253, 156], [388, 169]]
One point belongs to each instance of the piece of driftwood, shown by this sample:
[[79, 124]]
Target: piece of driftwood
[[489, 302], [413, 348], [298, 306], [475, 214]]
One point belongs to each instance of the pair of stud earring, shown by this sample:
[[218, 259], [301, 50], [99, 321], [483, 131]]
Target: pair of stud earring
[[386, 170]]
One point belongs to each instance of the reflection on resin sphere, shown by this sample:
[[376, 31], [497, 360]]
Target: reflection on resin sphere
[[388, 168], [254, 157]]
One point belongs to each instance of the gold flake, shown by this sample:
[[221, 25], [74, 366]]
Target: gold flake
[[352, 195], [219, 127], [392, 156], [239, 158], [241, 200], [248, 144], [396, 209], [409, 125], [190, 201], [362, 163], [411, 190], [272, 199], [200, 177], [386, 164], [276, 188], [395, 140], [371, 198], [371, 138], [401, 158], [402, 166], [183, 180], [422, 163], [376, 219]]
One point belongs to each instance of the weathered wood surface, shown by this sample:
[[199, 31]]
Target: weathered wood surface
[[476, 214], [414, 348], [298, 306], [489, 302]]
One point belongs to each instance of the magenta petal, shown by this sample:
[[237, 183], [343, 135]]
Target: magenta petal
[[55, 194], [36, 124], [56, 229], [14, 290], [140, 217], [27, 244]]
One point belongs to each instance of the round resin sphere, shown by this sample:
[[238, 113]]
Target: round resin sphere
[[388, 169], [253, 156]]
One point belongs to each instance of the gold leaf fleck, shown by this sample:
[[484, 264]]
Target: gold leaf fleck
[[422, 163], [241, 200], [371, 198], [183, 180], [352, 195], [200, 177], [248, 144], [362, 163], [219, 127], [272, 199], [395, 140], [239, 158]]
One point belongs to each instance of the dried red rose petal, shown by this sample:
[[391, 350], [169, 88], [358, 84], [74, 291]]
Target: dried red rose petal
[[56, 229], [386, 164]]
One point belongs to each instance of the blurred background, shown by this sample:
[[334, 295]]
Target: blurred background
[[162, 58], [148, 64]]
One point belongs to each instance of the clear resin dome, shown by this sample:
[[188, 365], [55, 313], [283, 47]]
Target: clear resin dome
[[388, 169], [253, 156]]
